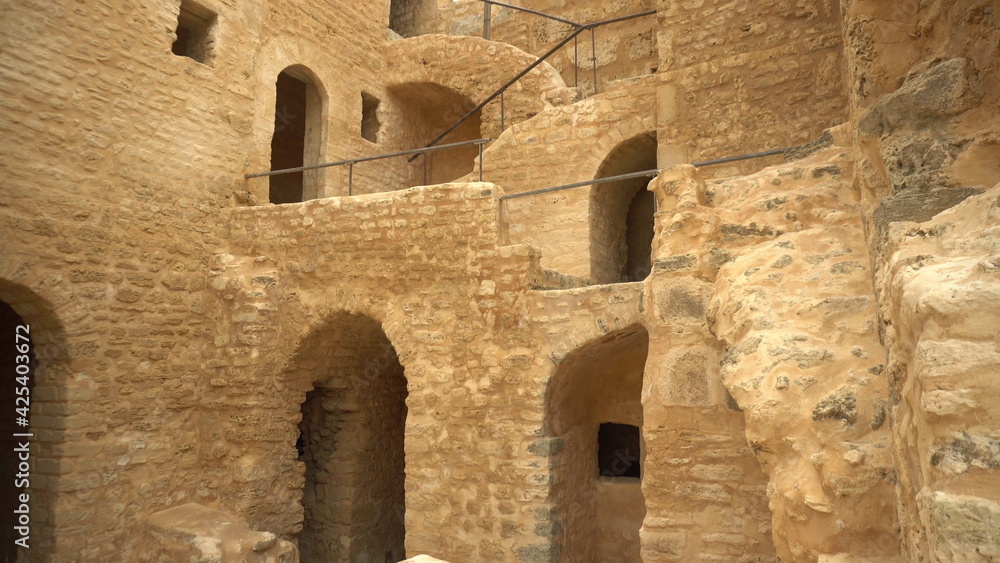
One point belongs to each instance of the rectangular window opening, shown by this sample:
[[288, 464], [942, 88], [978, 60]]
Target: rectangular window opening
[[369, 117], [195, 30], [618, 450]]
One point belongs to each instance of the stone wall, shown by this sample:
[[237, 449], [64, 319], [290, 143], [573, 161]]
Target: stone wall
[[748, 78], [809, 360], [577, 141], [425, 265], [924, 102], [808, 380], [623, 50], [940, 293], [120, 162]]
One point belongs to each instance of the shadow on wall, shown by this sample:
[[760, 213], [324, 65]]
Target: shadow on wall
[[621, 215], [594, 413], [350, 440]]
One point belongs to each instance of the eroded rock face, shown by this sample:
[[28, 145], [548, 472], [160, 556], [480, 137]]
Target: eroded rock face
[[941, 298], [804, 363], [925, 146], [792, 306]]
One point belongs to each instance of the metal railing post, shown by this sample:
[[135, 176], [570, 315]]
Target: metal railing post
[[480, 163], [593, 51], [425, 169], [502, 115], [350, 179], [576, 61], [487, 24]]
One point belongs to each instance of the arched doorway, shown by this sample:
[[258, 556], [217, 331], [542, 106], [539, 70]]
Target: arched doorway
[[594, 405], [297, 139], [48, 364], [621, 215], [350, 442]]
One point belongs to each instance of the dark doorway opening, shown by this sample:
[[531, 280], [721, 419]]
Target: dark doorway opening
[[639, 236], [370, 124], [289, 141], [351, 440], [618, 450]]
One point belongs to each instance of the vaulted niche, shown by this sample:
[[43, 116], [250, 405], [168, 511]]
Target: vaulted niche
[[298, 132], [427, 110], [621, 215], [593, 406], [350, 440]]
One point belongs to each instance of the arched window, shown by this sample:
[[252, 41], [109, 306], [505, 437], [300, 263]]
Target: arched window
[[621, 215]]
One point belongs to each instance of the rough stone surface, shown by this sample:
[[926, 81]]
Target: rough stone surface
[[941, 289], [409, 360], [192, 532]]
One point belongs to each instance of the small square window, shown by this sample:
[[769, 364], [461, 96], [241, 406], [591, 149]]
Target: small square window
[[369, 117], [195, 30], [618, 450]]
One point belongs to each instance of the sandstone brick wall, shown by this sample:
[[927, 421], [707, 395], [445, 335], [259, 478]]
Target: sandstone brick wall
[[939, 292], [119, 161], [577, 141], [747, 78], [426, 266], [180, 322], [702, 227]]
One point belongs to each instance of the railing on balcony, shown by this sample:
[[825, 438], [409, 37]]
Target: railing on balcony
[[646, 173], [350, 162]]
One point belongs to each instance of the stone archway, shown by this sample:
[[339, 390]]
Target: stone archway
[[594, 406], [46, 359], [621, 214], [350, 441]]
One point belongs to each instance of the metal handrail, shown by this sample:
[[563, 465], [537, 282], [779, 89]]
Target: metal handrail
[[647, 173], [528, 10], [583, 27], [352, 161]]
